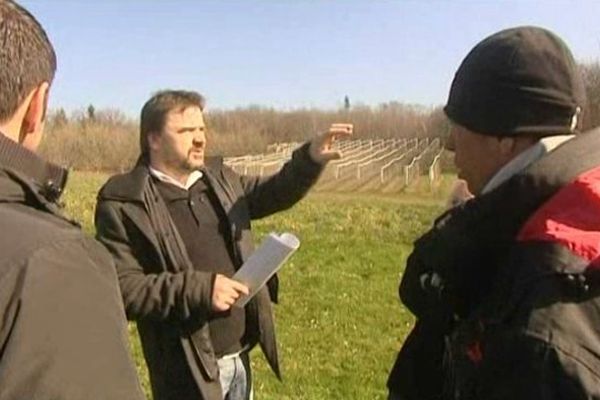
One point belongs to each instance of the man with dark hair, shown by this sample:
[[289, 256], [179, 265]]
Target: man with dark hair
[[62, 329], [179, 227], [506, 286], [155, 112]]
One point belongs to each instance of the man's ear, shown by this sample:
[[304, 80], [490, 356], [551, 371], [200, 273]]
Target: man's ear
[[153, 141], [32, 127]]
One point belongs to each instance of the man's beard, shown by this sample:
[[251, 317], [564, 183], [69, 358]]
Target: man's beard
[[191, 165]]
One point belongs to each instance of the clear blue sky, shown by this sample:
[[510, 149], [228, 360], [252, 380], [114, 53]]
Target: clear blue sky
[[283, 54]]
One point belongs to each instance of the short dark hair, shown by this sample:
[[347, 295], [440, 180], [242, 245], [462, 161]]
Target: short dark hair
[[27, 57], [154, 112]]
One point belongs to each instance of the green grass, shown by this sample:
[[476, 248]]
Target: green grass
[[339, 321]]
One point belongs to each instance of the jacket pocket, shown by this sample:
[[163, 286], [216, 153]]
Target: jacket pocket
[[202, 355]]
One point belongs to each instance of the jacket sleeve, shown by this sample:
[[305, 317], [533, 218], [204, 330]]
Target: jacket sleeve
[[423, 288], [447, 273], [278, 192], [68, 337], [162, 295]]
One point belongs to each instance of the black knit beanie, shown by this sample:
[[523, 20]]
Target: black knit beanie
[[519, 81]]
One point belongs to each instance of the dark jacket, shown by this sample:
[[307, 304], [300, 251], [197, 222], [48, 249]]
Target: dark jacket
[[506, 292], [169, 299], [62, 328]]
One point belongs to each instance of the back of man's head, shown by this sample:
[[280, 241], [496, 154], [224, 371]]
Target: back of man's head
[[518, 82], [27, 58]]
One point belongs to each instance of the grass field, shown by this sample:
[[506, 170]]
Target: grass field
[[339, 321]]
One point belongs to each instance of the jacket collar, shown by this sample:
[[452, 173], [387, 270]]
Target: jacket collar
[[130, 187], [43, 178], [525, 159], [194, 177]]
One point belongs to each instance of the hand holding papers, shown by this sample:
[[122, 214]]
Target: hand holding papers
[[264, 263]]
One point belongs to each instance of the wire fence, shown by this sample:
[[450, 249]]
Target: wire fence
[[369, 163]]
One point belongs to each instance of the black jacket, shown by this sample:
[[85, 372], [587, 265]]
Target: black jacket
[[169, 299], [62, 328], [506, 292]]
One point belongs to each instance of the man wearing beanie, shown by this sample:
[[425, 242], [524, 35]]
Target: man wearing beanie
[[506, 286]]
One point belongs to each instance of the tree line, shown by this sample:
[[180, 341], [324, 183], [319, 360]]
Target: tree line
[[108, 140]]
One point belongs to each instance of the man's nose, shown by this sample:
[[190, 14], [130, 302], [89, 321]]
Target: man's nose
[[199, 139]]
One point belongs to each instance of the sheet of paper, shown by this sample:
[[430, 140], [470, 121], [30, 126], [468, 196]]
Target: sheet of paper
[[265, 262]]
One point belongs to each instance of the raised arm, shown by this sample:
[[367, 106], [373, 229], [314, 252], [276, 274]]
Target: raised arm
[[278, 192]]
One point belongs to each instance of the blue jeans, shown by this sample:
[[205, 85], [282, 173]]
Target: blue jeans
[[234, 374]]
